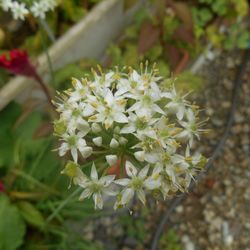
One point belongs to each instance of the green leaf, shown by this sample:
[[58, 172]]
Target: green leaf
[[243, 40], [31, 215], [8, 117], [12, 227]]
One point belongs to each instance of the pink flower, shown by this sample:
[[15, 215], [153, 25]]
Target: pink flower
[[18, 63]]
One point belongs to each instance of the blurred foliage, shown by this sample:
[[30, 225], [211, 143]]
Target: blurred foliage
[[170, 241], [33, 186], [12, 227]]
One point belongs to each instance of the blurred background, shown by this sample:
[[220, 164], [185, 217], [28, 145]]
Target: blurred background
[[203, 43]]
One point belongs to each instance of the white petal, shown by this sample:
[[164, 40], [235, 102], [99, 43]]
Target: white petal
[[98, 141], [141, 196], [106, 180], [128, 129], [81, 143], [109, 98], [93, 174], [122, 182], [120, 117], [114, 143], [111, 159], [180, 113], [63, 149], [151, 184], [127, 195], [151, 157], [85, 194], [109, 191], [74, 154], [98, 200], [130, 169], [143, 173], [88, 110]]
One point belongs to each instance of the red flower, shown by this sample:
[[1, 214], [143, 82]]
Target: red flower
[[2, 189], [18, 63]]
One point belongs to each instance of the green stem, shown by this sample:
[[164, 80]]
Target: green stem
[[63, 204], [34, 181], [45, 49], [48, 30]]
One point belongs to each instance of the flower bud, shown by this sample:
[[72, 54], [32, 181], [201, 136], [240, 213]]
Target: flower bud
[[96, 128], [111, 159], [123, 140], [86, 152], [140, 155], [114, 143], [97, 141]]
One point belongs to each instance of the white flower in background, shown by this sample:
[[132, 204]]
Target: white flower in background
[[36, 8], [97, 187], [19, 10], [6, 4], [118, 118]]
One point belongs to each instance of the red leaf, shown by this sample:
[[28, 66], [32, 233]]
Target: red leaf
[[184, 34], [149, 34], [173, 55]]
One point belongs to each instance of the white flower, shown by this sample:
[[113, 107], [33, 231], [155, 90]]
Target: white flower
[[145, 105], [97, 187], [177, 104], [19, 10], [133, 185], [127, 116], [190, 128], [81, 90], [75, 142], [110, 109], [6, 4], [38, 9]]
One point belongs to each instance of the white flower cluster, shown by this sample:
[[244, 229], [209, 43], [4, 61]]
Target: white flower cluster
[[21, 9], [132, 124]]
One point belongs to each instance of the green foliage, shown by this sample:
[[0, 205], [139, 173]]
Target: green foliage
[[31, 214], [12, 227], [170, 241], [135, 227]]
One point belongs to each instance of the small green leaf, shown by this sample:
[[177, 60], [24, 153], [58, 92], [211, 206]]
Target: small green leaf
[[31, 215], [12, 226]]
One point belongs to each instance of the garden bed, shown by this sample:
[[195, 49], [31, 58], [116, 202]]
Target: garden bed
[[87, 39]]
